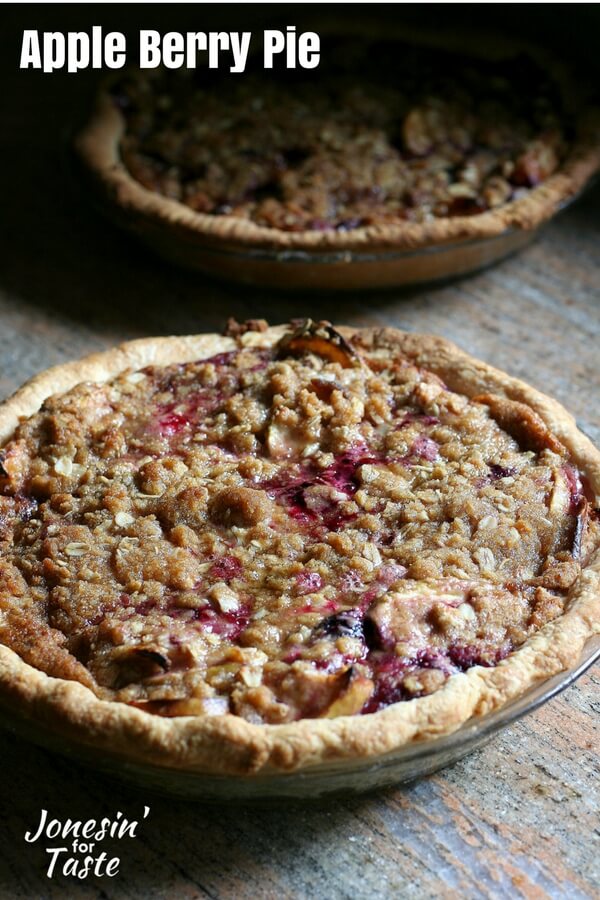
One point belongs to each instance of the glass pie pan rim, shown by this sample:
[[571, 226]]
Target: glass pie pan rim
[[326, 269], [344, 777]]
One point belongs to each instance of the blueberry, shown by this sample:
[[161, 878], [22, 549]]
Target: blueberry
[[342, 624]]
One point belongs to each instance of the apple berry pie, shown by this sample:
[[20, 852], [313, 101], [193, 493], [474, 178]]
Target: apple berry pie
[[287, 544], [397, 144]]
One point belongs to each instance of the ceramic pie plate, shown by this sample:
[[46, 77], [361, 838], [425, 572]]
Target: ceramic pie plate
[[377, 256], [343, 778]]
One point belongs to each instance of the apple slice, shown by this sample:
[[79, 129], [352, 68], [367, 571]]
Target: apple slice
[[351, 701]]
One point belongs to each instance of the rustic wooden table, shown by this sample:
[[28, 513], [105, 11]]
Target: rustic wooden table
[[518, 818]]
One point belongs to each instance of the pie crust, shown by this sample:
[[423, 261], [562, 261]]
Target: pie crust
[[231, 745], [162, 219]]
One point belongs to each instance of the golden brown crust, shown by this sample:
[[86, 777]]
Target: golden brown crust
[[97, 146], [228, 744]]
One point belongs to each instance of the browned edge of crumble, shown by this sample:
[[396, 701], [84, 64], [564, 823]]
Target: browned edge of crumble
[[230, 745]]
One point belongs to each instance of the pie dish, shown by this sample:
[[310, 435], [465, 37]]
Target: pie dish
[[410, 162], [287, 548]]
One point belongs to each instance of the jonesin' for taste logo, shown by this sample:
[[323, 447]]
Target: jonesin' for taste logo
[[75, 842]]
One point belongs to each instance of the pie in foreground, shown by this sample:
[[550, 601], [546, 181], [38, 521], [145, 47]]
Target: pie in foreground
[[287, 545]]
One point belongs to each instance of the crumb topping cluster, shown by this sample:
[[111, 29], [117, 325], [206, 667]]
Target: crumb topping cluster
[[394, 133], [314, 529]]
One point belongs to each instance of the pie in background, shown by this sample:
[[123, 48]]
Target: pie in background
[[393, 144]]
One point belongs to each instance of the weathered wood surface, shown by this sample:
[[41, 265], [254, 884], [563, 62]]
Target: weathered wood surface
[[516, 819]]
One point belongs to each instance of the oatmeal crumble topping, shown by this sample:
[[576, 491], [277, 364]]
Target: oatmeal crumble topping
[[394, 133], [314, 529]]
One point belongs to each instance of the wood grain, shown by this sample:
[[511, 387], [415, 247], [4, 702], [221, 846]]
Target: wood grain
[[518, 818]]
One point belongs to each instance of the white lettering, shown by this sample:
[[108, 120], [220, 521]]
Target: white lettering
[[291, 47], [30, 51], [274, 43], [196, 41], [54, 853], [74, 51], [149, 49], [217, 41], [173, 47], [115, 50], [28, 836], [240, 47], [309, 50], [54, 50]]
